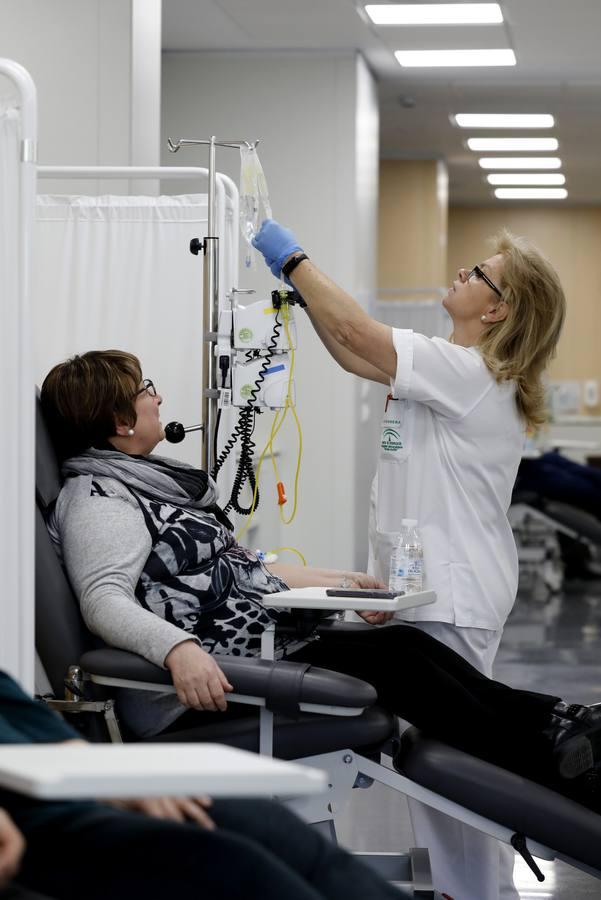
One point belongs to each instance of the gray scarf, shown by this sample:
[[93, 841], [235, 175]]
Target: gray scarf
[[156, 477]]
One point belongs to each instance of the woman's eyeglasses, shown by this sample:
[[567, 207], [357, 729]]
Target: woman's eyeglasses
[[478, 273], [149, 388]]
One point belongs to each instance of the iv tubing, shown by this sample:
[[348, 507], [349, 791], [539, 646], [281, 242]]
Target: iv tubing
[[276, 425]]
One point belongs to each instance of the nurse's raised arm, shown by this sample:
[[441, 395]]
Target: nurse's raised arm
[[345, 328]]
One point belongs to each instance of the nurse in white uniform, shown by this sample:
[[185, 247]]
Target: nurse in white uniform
[[451, 442]]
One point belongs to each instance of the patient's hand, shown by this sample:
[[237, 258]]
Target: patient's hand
[[12, 847], [363, 580], [375, 618], [176, 809], [198, 680]]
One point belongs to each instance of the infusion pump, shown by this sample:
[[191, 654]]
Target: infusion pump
[[258, 344]]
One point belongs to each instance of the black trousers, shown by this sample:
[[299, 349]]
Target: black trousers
[[259, 851], [14, 892], [425, 682]]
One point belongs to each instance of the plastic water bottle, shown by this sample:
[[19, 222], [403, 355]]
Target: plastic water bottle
[[407, 560]]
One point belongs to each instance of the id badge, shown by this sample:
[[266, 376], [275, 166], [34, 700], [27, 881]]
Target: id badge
[[395, 437]]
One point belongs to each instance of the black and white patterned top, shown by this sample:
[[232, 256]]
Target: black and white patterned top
[[199, 578]]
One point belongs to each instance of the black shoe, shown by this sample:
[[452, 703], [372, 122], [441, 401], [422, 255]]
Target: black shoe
[[575, 734]]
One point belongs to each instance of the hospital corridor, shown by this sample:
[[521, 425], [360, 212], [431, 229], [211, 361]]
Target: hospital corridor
[[300, 470]]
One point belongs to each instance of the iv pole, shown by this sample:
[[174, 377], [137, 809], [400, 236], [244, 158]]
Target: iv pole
[[210, 295]]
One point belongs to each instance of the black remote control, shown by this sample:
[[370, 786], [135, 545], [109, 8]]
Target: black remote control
[[362, 592]]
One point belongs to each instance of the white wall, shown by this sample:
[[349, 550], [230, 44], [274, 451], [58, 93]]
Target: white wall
[[316, 117], [96, 66], [366, 235], [18, 123]]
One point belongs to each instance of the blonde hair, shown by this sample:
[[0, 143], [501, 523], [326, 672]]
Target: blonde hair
[[520, 347]]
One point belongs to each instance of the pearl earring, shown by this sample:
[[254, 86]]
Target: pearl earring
[[483, 318], [131, 432]]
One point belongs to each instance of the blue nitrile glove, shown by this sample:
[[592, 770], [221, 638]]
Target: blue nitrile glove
[[276, 243]]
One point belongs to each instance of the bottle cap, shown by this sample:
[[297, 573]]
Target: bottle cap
[[409, 523]]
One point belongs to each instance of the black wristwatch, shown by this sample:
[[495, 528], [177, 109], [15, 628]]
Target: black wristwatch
[[291, 265]]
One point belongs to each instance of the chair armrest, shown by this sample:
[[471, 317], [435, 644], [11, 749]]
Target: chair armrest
[[285, 687], [582, 522]]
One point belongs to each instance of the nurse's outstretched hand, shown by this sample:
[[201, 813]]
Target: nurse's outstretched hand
[[276, 243]]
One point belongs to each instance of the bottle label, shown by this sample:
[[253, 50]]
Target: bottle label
[[225, 398], [409, 568]]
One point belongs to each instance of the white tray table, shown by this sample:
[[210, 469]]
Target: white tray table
[[316, 598], [60, 771]]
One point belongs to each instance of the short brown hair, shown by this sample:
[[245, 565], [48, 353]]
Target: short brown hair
[[83, 397]]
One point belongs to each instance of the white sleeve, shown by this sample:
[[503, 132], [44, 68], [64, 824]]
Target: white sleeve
[[446, 377], [105, 544]]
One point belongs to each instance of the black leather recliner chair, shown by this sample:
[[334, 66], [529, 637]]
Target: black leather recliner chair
[[553, 539], [348, 744]]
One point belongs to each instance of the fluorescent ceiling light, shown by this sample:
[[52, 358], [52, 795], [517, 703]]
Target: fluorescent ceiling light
[[502, 145], [530, 178], [460, 58], [520, 162], [531, 193], [435, 13], [477, 120]]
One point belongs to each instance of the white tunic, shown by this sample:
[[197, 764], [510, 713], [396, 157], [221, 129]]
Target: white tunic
[[450, 449]]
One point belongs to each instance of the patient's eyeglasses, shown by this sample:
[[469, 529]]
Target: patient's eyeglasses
[[478, 273], [149, 388]]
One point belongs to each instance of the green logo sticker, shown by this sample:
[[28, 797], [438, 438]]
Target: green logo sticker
[[245, 335], [246, 391], [391, 440]]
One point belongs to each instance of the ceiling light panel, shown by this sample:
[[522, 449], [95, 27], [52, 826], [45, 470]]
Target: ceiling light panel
[[494, 120], [490, 145], [455, 58], [520, 162], [435, 13], [529, 178], [531, 193]]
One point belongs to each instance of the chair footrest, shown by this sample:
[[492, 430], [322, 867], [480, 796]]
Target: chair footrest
[[523, 806]]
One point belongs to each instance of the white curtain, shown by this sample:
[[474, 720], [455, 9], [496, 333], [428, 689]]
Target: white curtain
[[116, 272], [16, 462]]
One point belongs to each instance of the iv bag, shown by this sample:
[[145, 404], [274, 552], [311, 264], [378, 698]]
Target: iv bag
[[254, 199]]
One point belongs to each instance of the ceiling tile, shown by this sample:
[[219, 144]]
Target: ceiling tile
[[559, 71]]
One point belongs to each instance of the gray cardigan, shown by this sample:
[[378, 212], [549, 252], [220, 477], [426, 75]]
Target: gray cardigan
[[104, 544]]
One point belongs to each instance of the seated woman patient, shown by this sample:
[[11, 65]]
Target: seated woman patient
[[157, 571]]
